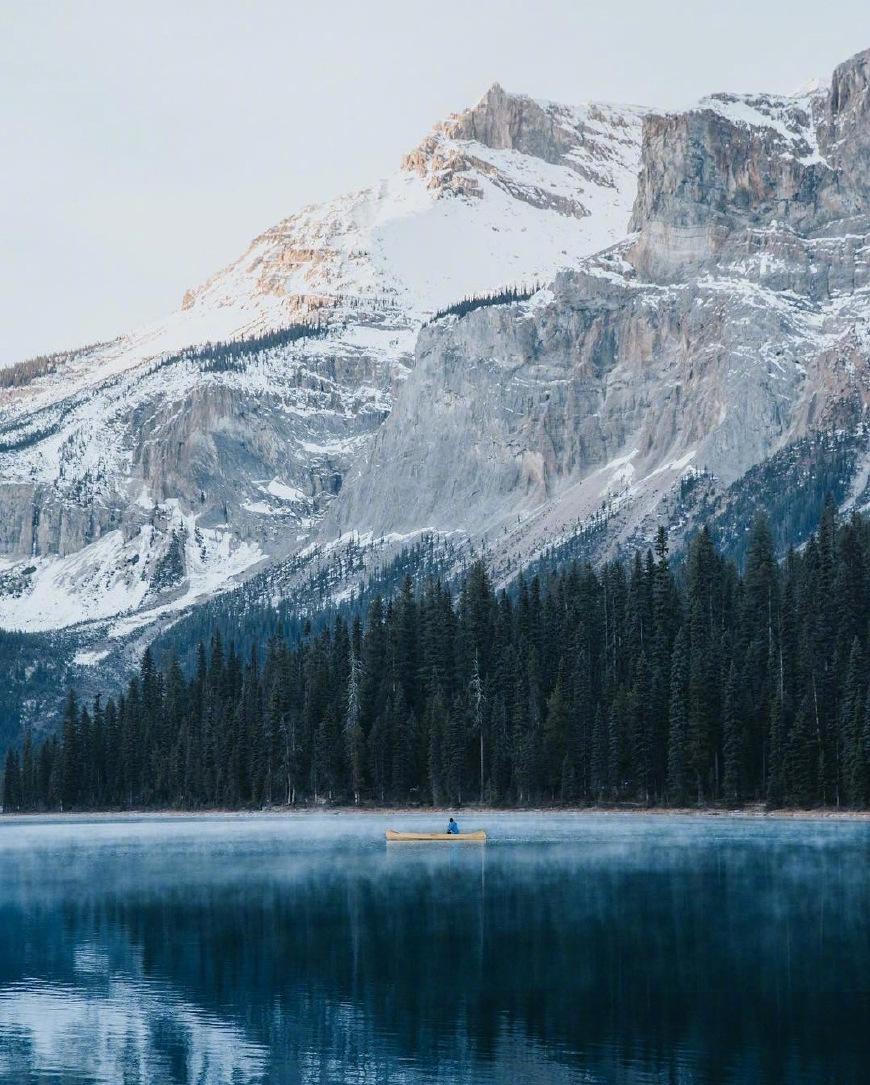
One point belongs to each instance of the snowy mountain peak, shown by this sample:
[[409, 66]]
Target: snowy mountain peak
[[505, 151], [143, 474], [707, 298]]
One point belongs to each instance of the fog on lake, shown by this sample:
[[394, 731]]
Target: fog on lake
[[303, 948]]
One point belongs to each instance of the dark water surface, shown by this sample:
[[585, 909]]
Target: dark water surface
[[568, 949]]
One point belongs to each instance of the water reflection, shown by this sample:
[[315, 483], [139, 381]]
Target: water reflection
[[113, 1029], [568, 950]]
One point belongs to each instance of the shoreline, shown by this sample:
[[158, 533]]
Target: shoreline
[[750, 813]]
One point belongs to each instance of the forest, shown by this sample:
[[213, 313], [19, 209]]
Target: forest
[[648, 682]]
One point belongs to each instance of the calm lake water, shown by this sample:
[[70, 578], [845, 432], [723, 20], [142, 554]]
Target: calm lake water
[[303, 949]]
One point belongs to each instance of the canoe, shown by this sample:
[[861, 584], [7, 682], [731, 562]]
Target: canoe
[[478, 835]]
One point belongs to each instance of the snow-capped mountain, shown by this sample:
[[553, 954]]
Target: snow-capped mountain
[[732, 322], [142, 474], [704, 320], [508, 191]]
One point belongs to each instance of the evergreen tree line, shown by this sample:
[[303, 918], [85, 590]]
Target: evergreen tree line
[[24, 372], [641, 682], [232, 355], [468, 304]]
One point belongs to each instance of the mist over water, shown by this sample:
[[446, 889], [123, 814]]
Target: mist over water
[[571, 948]]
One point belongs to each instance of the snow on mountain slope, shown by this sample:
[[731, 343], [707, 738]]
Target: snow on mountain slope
[[708, 305], [732, 322], [142, 473], [476, 205], [790, 117]]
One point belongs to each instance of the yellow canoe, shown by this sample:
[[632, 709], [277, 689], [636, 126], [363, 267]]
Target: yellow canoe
[[478, 835]]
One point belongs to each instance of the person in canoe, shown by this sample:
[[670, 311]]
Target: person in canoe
[[452, 827]]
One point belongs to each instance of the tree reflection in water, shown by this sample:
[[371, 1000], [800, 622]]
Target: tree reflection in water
[[640, 955]]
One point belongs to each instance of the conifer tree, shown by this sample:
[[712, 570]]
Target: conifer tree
[[801, 776], [733, 785], [11, 783], [435, 726], [599, 774], [776, 748], [476, 700], [71, 770], [863, 769], [678, 748], [852, 718], [555, 739], [453, 751], [403, 770], [353, 729], [642, 749], [28, 774], [617, 746]]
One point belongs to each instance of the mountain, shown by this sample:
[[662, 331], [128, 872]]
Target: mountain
[[552, 330], [731, 322], [152, 471]]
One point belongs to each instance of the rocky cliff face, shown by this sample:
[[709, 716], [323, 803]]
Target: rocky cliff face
[[707, 306], [844, 125], [791, 166], [733, 320], [140, 475], [592, 148]]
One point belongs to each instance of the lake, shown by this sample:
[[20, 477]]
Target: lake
[[569, 948]]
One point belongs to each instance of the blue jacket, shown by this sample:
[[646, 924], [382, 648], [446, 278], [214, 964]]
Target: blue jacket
[[452, 827]]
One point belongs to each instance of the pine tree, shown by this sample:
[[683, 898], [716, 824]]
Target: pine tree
[[353, 731], [678, 737], [555, 739], [666, 621], [852, 717], [704, 661], [617, 746], [403, 737], [434, 729], [378, 753], [476, 702], [71, 771], [732, 742], [865, 749], [28, 774], [776, 755], [45, 774], [802, 764], [599, 774], [761, 630], [453, 751], [11, 783], [642, 738]]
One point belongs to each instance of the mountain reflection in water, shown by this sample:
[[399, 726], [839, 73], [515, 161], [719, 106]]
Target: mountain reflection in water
[[569, 949]]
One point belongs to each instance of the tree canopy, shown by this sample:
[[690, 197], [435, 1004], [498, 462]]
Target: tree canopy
[[640, 682]]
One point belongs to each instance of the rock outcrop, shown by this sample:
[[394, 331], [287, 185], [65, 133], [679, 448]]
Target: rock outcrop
[[111, 455], [734, 319]]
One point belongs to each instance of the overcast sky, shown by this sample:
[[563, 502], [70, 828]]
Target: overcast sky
[[142, 146]]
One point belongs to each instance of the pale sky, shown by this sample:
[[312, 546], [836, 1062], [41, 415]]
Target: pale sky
[[143, 146]]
